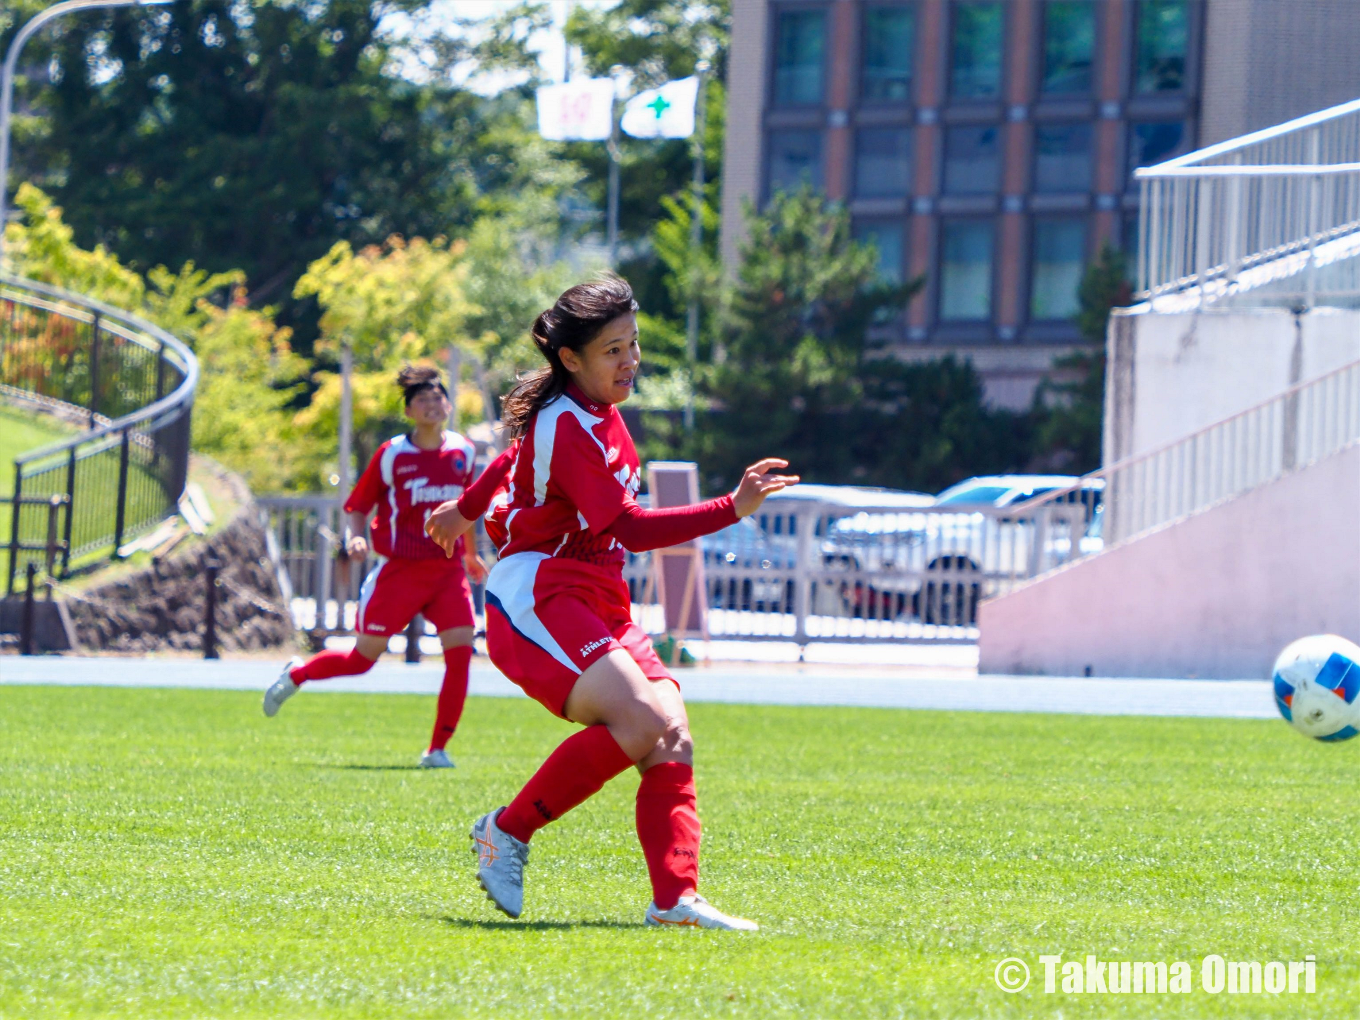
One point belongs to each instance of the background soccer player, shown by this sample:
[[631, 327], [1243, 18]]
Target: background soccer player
[[406, 479], [559, 621]]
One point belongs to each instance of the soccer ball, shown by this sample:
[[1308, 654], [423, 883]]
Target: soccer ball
[[1316, 682]]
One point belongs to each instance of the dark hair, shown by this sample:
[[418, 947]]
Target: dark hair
[[575, 320], [415, 378]]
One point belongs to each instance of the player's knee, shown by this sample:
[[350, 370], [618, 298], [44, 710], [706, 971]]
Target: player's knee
[[646, 726], [677, 739], [456, 637]]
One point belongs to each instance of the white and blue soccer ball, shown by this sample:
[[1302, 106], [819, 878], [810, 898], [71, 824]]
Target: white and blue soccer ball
[[1316, 682]]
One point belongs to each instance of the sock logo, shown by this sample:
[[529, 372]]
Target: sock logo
[[543, 810], [684, 851]]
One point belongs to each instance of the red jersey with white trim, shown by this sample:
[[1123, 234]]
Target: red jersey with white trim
[[574, 472], [405, 484]]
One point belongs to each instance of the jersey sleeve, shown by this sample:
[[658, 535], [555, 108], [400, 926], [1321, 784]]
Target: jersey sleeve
[[369, 488], [640, 530], [581, 473], [473, 503]]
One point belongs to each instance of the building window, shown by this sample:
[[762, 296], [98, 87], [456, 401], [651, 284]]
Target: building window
[[975, 52], [1062, 157], [1153, 143], [972, 160], [1058, 260], [1128, 241], [1069, 42], [1163, 40], [800, 40], [966, 270], [889, 40], [882, 162], [795, 160], [886, 237]]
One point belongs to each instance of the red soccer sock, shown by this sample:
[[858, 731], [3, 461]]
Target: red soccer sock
[[452, 695], [324, 665], [582, 764], [669, 831]]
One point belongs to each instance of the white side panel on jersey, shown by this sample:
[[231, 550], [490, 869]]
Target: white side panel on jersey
[[512, 583], [399, 445], [545, 435]]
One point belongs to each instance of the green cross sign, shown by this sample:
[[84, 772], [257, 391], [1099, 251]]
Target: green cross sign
[[659, 104]]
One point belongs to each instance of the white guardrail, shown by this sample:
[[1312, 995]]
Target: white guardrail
[[798, 571], [1250, 211], [1297, 428], [805, 571]]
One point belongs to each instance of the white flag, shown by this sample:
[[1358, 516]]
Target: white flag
[[667, 112], [581, 110]]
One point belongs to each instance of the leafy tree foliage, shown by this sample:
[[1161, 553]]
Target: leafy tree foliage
[[247, 136], [241, 413], [799, 379]]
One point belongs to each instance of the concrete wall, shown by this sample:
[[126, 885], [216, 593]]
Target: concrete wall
[[1217, 594], [1171, 375], [1268, 61]]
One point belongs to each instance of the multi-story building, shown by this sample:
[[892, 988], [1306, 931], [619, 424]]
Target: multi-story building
[[988, 145]]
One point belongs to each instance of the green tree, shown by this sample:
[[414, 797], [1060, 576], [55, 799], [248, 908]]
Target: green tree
[[793, 333], [392, 303], [248, 373], [1070, 408], [247, 136]]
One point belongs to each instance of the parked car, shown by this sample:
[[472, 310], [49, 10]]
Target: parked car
[[932, 563], [1009, 490]]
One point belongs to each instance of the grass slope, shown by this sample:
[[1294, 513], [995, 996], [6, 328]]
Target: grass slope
[[172, 853]]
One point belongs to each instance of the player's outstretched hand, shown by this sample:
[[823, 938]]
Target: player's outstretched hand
[[446, 525], [758, 482]]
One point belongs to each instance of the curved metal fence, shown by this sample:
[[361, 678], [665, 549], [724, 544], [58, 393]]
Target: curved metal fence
[[131, 385]]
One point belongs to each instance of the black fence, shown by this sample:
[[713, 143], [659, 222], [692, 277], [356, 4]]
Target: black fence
[[130, 385]]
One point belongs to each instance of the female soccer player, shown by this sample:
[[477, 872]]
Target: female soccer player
[[405, 480], [558, 620]]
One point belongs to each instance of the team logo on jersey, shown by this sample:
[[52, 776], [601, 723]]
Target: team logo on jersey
[[423, 492], [629, 478]]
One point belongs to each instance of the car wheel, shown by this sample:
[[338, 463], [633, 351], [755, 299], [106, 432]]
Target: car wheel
[[949, 597]]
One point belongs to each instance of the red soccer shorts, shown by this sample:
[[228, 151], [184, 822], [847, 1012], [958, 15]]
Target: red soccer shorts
[[395, 590], [549, 620]]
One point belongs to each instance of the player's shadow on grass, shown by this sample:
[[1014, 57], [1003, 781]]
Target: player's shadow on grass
[[484, 925], [374, 768]]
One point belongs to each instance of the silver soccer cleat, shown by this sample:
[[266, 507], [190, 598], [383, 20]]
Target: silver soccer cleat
[[281, 689], [436, 760], [500, 864], [696, 912]]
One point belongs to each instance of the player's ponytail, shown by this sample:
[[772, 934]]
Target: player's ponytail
[[575, 320]]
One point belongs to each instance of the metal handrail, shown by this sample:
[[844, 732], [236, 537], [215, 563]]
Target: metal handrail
[[1269, 134], [126, 472], [137, 330], [1289, 431], [1261, 198]]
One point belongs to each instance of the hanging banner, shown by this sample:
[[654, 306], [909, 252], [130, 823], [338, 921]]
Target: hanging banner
[[667, 112], [577, 111]]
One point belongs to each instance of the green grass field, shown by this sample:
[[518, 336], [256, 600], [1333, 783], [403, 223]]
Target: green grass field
[[174, 854]]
